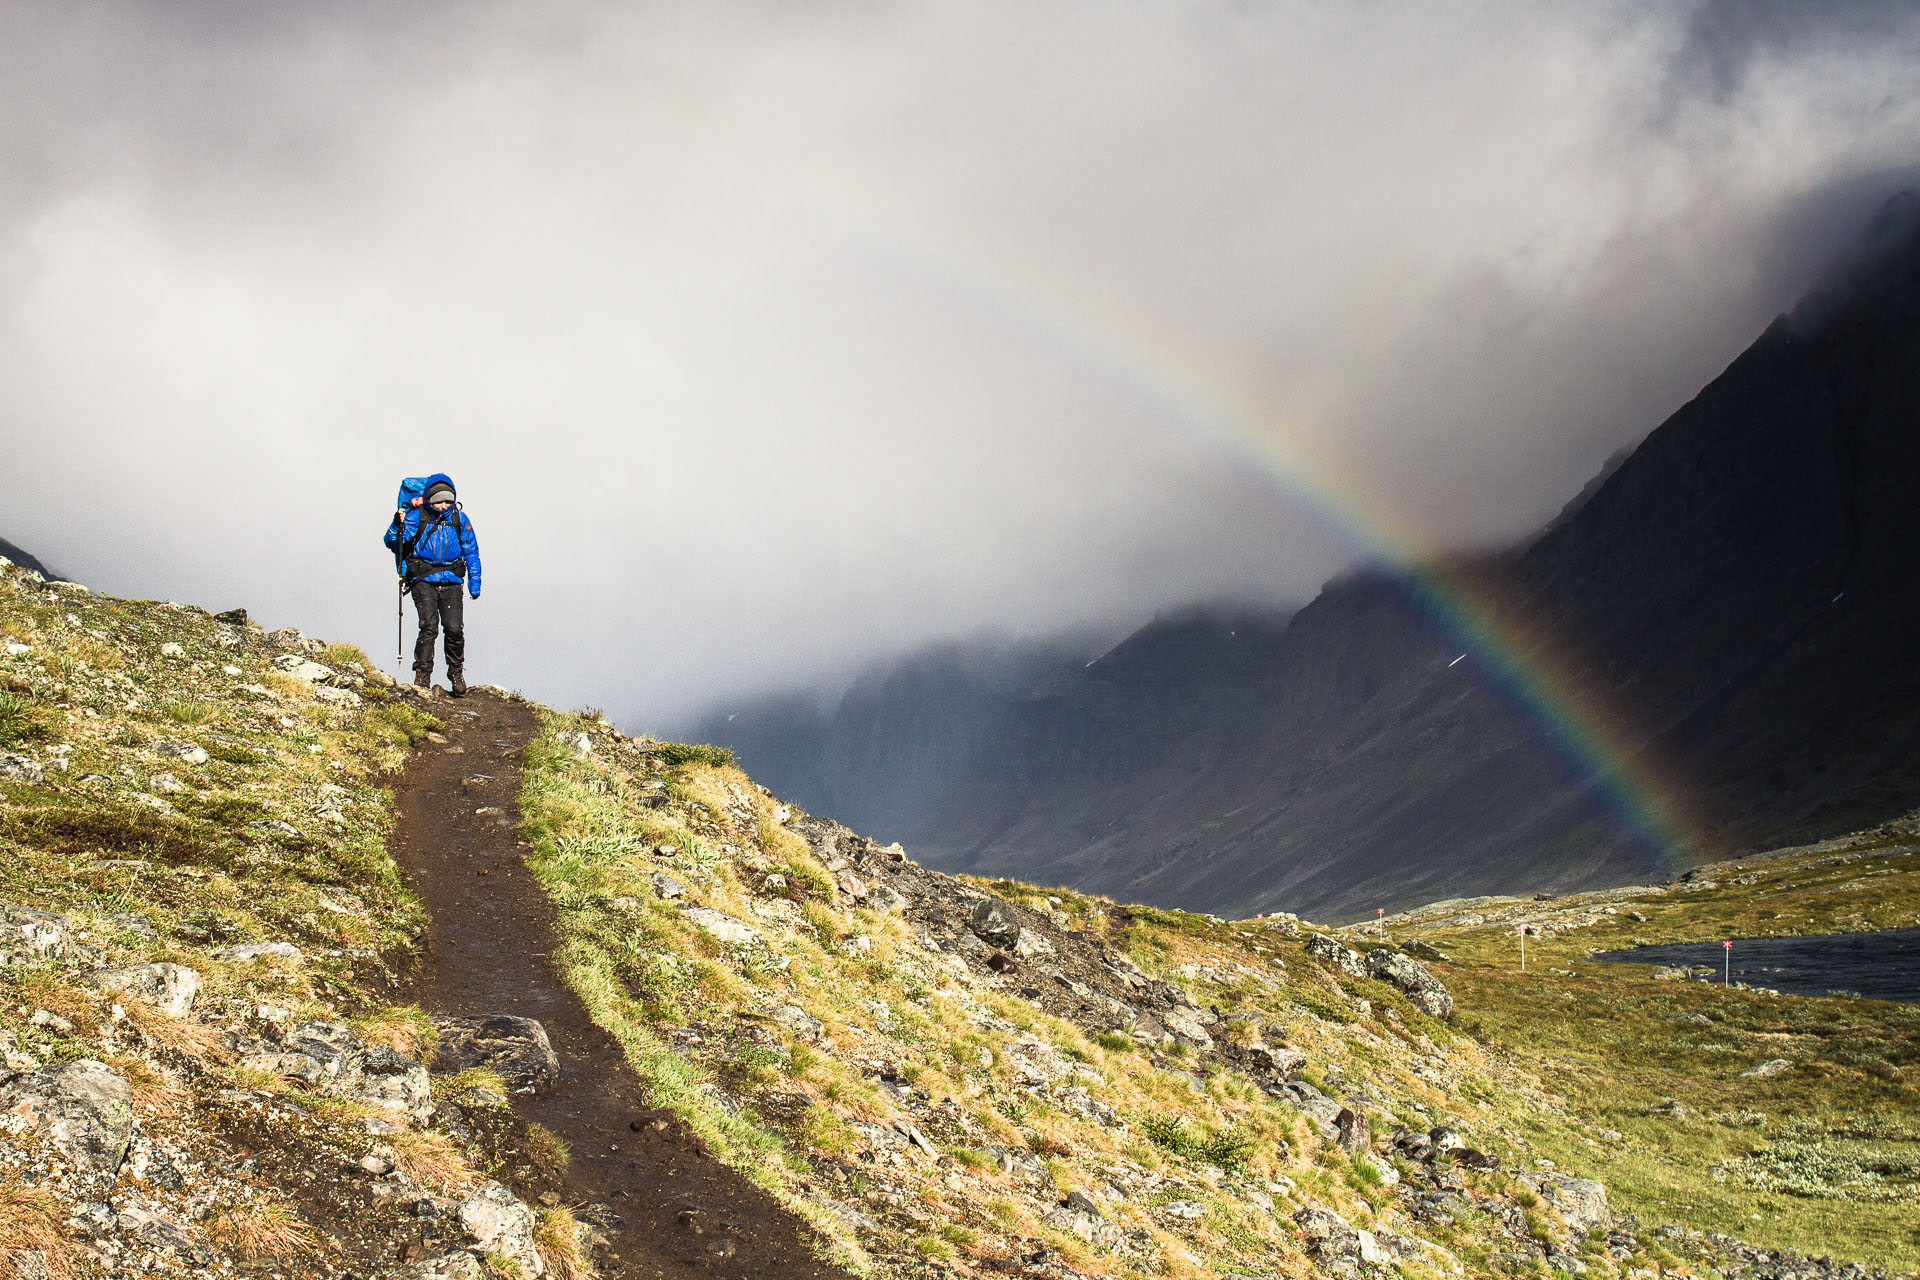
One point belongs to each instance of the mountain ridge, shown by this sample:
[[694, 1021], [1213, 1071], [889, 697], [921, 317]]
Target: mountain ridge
[[1730, 600]]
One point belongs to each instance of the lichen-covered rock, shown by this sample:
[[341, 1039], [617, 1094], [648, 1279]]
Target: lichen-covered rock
[[84, 1108], [168, 987], [248, 952], [1344, 958], [516, 1048], [1331, 1237], [18, 768], [458, 1265], [720, 925], [1427, 992], [500, 1223]]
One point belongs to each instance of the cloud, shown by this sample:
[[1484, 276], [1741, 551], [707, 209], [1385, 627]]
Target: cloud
[[765, 339]]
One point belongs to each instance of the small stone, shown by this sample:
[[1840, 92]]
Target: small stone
[[1772, 1067], [185, 752], [248, 952], [378, 1166], [172, 650], [666, 886], [274, 826], [166, 784]]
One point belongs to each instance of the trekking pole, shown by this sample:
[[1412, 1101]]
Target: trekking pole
[[399, 615]]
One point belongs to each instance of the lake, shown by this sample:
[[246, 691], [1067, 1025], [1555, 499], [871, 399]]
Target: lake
[[1882, 965]]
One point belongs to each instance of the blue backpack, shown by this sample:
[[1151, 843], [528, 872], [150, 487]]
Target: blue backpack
[[413, 495]]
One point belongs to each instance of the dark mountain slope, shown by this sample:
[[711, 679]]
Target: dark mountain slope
[[1737, 603], [22, 558]]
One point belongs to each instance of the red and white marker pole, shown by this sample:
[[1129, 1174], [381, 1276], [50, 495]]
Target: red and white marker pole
[[1726, 965], [1522, 931]]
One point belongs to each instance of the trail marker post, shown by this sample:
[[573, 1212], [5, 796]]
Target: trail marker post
[[1726, 964], [1522, 931]]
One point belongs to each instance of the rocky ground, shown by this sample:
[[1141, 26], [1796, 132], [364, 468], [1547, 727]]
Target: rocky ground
[[214, 1058]]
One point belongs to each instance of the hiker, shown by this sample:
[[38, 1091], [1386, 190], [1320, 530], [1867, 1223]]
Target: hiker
[[434, 539]]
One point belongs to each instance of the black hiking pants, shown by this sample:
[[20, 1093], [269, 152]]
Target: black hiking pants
[[440, 604]]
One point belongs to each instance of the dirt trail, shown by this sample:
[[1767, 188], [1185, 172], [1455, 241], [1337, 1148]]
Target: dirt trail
[[457, 838]]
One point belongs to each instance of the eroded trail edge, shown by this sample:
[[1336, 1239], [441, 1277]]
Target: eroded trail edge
[[491, 930]]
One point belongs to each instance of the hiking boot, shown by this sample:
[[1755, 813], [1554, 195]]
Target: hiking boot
[[457, 683], [423, 677]]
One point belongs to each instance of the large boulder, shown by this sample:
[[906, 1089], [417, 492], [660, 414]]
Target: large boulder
[[168, 987], [84, 1108], [994, 923], [1582, 1202], [1343, 958], [1427, 992], [516, 1048]]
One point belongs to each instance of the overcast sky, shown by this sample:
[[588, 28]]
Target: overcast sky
[[767, 339]]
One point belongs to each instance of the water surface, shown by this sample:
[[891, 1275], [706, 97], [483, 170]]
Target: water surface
[[1882, 965]]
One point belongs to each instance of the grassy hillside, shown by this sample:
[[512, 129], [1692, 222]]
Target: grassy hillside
[[946, 1076], [1822, 1151]]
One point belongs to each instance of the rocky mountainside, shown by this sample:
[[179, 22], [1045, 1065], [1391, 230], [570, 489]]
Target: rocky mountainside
[[1734, 601], [211, 1061]]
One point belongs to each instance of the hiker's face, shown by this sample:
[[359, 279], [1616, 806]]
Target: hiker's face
[[441, 506]]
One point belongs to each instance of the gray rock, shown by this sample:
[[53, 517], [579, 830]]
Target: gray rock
[[1344, 958], [171, 649], [1772, 1067], [337, 697], [249, 952], [305, 669], [516, 1048], [390, 1080], [168, 987], [338, 1051], [666, 886], [458, 1265], [274, 827], [289, 1066], [84, 1108], [1283, 1060], [577, 743], [993, 922], [27, 934], [167, 784], [722, 926], [17, 768], [1316, 1106], [1582, 1202], [185, 752], [1427, 992], [1186, 1028], [499, 1222], [1330, 1236], [887, 900], [800, 1022]]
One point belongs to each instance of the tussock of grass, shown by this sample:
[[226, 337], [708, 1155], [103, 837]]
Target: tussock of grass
[[264, 1229], [34, 1242], [557, 1239], [431, 1159]]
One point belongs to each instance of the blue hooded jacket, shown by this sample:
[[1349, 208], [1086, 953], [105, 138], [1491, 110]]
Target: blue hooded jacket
[[445, 538]]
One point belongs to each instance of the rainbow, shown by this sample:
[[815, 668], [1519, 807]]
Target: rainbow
[[1251, 438]]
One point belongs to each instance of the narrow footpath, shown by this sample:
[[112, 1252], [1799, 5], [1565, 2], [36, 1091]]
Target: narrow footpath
[[457, 838]]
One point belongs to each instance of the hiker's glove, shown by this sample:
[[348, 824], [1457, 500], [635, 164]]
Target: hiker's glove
[[474, 594]]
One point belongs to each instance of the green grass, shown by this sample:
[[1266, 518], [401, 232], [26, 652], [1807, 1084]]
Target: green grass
[[679, 754], [1824, 1158]]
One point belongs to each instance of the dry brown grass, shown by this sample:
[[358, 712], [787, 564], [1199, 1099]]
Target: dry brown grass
[[154, 1092], [556, 1238], [264, 1229], [34, 1243], [194, 1039], [430, 1159]]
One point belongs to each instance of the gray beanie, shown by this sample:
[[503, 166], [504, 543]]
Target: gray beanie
[[440, 493]]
